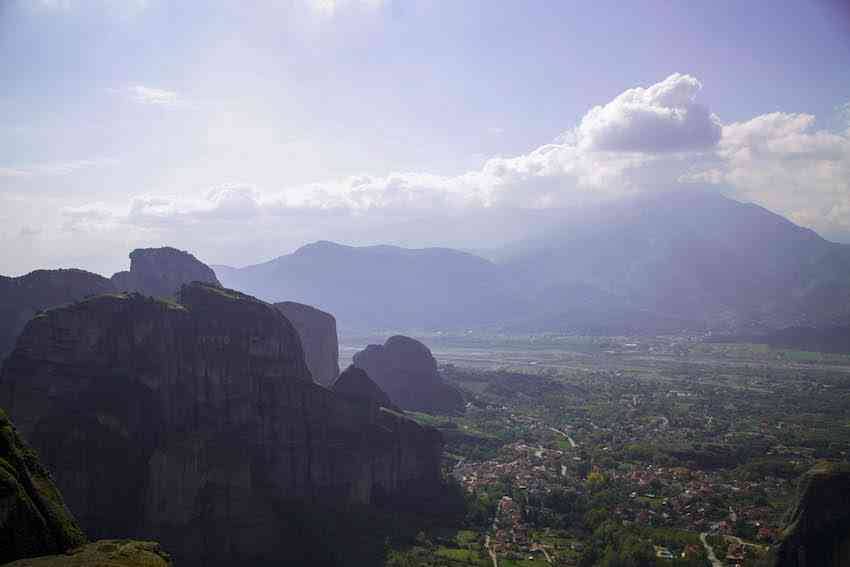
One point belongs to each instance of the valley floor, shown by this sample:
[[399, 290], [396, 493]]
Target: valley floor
[[629, 451]]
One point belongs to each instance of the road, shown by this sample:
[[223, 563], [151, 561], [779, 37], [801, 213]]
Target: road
[[539, 547], [570, 439], [739, 541], [492, 553], [712, 558]]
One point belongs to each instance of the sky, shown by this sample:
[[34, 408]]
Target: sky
[[242, 130]]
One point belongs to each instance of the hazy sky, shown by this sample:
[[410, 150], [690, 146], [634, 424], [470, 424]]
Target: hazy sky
[[241, 130]]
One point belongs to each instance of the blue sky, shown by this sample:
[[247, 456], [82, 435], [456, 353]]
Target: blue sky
[[241, 130]]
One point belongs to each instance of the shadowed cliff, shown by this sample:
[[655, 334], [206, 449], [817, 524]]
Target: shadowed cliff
[[406, 370], [818, 530], [317, 330], [205, 406], [153, 271]]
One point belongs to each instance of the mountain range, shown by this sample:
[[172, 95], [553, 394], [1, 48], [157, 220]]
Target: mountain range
[[694, 261]]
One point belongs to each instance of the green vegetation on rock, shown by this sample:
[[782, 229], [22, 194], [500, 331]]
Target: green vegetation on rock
[[33, 516], [104, 553]]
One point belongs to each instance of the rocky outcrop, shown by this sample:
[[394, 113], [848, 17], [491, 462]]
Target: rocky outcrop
[[817, 533], [33, 517], [317, 330], [106, 553], [406, 370], [355, 383], [24, 296], [153, 271], [160, 272], [205, 407]]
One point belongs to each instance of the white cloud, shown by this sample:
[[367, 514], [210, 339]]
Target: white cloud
[[329, 8], [89, 218], [661, 118], [580, 167], [646, 139], [844, 112], [120, 9], [150, 95], [58, 168], [780, 161]]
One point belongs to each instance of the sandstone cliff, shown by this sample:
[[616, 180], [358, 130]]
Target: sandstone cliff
[[355, 383], [406, 370], [160, 272], [206, 408], [317, 330], [24, 296], [818, 530]]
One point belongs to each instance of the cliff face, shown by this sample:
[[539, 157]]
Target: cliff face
[[355, 383], [406, 370], [160, 272], [317, 330], [24, 296], [33, 517], [207, 409], [818, 530]]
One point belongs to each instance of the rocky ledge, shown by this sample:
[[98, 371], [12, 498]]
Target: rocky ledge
[[104, 553]]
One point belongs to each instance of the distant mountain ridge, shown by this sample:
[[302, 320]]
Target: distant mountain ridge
[[666, 262], [376, 286]]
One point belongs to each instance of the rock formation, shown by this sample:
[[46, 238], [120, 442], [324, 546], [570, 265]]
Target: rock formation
[[817, 533], [355, 383], [317, 330], [33, 517], [160, 272], [205, 406], [153, 271], [24, 296], [405, 369]]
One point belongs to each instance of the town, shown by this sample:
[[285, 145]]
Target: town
[[682, 446]]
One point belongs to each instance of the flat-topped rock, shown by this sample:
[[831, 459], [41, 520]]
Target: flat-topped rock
[[24, 296], [161, 271], [406, 370], [317, 330]]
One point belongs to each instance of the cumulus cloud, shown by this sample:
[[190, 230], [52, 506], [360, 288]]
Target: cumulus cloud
[[645, 139], [780, 161], [662, 118], [598, 160]]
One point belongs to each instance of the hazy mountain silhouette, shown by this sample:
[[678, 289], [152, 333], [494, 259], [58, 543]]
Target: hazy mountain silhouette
[[692, 259], [678, 260], [377, 286]]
